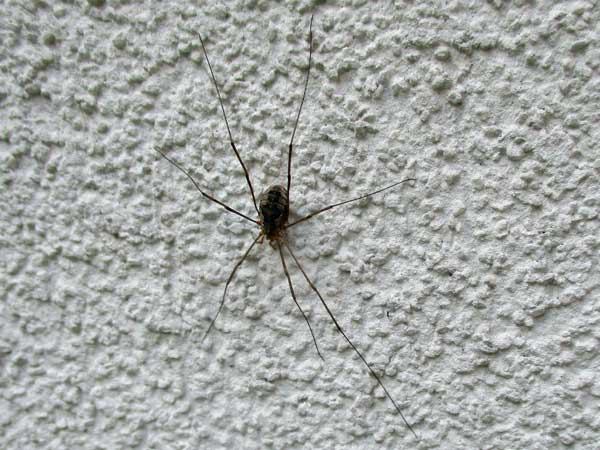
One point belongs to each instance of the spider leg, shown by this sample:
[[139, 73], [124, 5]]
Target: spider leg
[[289, 182], [287, 275], [327, 208], [237, 154], [231, 275], [339, 328], [208, 196]]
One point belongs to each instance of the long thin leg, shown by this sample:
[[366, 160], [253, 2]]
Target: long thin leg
[[327, 208], [299, 109], [314, 288], [231, 275], [237, 154], [287, 275], [210, 197]]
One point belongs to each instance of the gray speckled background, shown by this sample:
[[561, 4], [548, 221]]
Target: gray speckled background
[[474, 293]]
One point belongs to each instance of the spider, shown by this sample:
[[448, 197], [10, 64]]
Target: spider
[[273, 210]]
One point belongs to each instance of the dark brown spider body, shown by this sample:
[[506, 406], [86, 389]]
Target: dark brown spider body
[[273, 209]]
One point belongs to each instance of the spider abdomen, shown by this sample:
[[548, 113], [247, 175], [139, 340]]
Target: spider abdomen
[[273, 209]]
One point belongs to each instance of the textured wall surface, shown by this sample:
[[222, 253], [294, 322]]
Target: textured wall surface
[[474, 292]]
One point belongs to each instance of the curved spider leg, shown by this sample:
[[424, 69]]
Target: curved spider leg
[[287, 275], [208, 196], [289, 180], [339, 328], [231, 275], [237, 154], [327, 208]]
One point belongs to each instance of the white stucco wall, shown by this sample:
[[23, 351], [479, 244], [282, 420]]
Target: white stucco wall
[[474, 292]]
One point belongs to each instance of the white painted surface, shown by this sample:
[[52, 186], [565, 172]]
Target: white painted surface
[[475, 292]]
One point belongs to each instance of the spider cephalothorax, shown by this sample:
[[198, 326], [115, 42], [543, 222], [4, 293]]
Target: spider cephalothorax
[[273, 209]]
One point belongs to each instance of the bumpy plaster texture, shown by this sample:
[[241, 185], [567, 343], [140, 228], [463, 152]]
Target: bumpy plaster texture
[[473, 292]]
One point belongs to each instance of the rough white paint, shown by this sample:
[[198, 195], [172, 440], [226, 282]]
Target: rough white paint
[[474, 292]]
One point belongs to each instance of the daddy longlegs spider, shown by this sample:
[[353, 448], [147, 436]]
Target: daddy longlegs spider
[[273, 209]]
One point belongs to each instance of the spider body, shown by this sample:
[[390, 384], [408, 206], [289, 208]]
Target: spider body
[[273, 208]]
